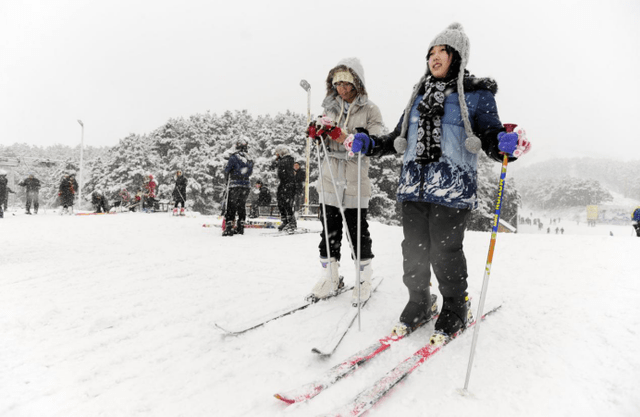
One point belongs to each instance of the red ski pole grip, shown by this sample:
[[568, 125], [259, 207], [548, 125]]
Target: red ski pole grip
[[510, 126]]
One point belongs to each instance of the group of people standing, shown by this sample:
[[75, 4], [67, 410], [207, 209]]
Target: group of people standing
[[238, 173], [32, 190]]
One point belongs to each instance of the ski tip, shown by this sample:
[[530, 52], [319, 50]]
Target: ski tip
[[320, 353], [311, 298], [225, 332], [286, 400], [439, 339]]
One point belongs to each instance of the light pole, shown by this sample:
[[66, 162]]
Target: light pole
[[307, 87], [81, 163]]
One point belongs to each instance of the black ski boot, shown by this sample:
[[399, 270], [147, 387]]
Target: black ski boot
[[228, 230], [285, 222], [291, 226], [454, 317], [240, 228], [415, 314]]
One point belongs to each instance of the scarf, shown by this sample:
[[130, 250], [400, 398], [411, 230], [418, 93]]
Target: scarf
[[431, 109]]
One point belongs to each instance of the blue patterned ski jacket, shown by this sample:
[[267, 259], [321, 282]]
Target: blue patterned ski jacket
[[451, 181]]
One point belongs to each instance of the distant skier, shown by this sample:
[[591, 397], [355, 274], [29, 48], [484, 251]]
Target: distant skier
[[286, 189], [636, 221], [32, 188], [150, 189], [67, 192], [3, 190], [179, 193], [299, 179], [6, 198], [99, 201], [263, 198], [237, 174]]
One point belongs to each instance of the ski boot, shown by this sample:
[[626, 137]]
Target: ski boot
[[182, 211], [228, 229], [175, 211], [283, 224], [365, 283], [240, 228], [291, 225], [454, 317], [415, 315], [330, 281]]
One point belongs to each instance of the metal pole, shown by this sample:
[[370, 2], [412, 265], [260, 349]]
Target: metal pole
[[307, 87], [81, 165], [324, 208]]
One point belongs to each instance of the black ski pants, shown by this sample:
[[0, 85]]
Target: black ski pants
[[433, 236], [334, 223], [285, 196], [237, 204]]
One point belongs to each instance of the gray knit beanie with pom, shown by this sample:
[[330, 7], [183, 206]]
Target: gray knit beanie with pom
[[455, 37]]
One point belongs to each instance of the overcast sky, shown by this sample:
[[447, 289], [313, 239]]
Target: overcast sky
[[567, 71]]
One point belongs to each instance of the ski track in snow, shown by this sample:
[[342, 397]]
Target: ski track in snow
[[113, 316]]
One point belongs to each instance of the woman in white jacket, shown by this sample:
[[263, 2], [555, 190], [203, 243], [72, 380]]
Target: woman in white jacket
[[348, 105]]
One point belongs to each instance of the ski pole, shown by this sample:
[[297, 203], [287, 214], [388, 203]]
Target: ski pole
[[226, 204], [324, 208], [339, 199], [359, 217], [487, 270]]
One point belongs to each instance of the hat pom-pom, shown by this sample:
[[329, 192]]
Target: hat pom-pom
[[400, 144], [473, 144]]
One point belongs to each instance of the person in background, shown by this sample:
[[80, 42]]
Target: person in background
[[179, 193], [67, 192], [237, 175], [347, 104], [32, 189], [636, 220], [299, 177], [450, 116], [263, 198], [99, 201], [150, 189], [3, 190], [286, 188]]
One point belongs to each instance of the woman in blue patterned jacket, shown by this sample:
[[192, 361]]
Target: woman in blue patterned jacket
[[451, 115]]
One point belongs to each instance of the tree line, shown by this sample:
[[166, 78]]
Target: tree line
[[200, 145]]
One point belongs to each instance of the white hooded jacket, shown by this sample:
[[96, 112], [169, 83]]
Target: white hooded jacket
[[361, 113]]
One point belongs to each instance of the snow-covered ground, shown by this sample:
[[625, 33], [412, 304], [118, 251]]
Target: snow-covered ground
[[114, 315]]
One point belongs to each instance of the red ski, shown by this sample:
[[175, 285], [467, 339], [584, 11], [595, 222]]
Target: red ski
[[369, 397], [346, 367]]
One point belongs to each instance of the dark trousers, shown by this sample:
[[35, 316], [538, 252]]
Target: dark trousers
[[285, 196], [237, 204], [433, 236], [32, 198], [334, 224]]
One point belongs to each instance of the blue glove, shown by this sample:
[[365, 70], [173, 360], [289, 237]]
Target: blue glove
[[507, 142], [362, 143]]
